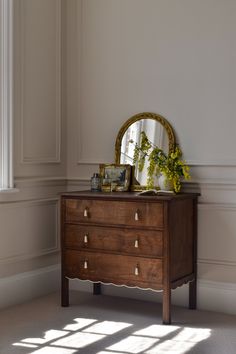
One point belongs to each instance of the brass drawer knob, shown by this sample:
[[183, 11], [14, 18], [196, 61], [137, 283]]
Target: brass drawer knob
[[136, 215], [136, 270], [85, 264], [136, 245], [86, 238], [86, 212]]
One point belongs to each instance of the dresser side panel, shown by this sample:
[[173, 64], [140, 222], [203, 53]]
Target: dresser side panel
[[181, 238]]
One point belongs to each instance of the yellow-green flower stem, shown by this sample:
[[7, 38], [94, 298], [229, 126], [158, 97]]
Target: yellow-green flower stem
[[169, 164]]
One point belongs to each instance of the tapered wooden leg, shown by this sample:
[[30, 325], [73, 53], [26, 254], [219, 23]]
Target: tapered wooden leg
[[64, 292], [96, 288], [166, 306], [193, 294]]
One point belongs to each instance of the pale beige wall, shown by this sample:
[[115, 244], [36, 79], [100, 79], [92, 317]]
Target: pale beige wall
[[119, 57], [176, 58], [29, 215], [39, 81]]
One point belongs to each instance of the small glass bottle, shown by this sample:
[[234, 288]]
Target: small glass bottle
[[106, 180], [95, 182]]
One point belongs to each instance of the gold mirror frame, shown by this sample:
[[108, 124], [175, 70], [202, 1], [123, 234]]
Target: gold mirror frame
[[145, 115]]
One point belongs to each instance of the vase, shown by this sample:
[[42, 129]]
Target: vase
[[165, 184]]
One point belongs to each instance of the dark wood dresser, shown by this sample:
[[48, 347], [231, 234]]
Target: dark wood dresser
[[148, 242]]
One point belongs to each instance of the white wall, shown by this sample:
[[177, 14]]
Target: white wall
[[29, 216], [93, 64], [175, 58]]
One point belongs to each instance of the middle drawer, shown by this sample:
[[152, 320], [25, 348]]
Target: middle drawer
[[121, 240]]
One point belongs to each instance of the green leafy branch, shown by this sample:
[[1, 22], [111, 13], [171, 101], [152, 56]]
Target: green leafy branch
[[171, 164]]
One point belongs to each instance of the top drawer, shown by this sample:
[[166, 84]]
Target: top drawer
[[114, 212]]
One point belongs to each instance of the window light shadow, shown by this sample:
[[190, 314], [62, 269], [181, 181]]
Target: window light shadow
[[91, 336]]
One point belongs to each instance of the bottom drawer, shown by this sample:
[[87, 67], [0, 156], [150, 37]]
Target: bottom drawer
[[116, 269]]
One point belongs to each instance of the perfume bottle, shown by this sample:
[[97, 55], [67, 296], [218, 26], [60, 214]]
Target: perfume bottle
[[95, 182]]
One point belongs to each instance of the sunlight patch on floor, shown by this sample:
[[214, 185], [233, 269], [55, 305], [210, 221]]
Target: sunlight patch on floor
[[107, 327], [78, 340], [193, 335], [108, 352], [51, 350], [80, 323], [156, 331], [25, 345], [84, 332], [133, 344], [171, 347], [49, 336], [182, 342]]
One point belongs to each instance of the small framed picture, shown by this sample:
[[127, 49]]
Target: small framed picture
[[115, 178]]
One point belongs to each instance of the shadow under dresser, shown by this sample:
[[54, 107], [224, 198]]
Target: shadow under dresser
[[149, 242]]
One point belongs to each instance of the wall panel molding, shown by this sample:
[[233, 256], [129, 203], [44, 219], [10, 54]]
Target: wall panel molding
[[25, 182], [192, 163], [216, 227], [6, 93], [80, 33], [221, 177], [31, 233], [217, 206], [209, 184], [213, 163], [36, 188], [26, 157], [216, 262], [92, 162]]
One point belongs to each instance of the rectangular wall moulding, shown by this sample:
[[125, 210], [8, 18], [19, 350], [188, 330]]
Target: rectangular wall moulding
[[216, 242], [34, 231], [40, 35]]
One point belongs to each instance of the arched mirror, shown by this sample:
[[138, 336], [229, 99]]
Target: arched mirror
[[159, 132]]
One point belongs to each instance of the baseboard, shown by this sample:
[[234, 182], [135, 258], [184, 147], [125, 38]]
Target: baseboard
[[24, 287], [212, 296], [218, 297]]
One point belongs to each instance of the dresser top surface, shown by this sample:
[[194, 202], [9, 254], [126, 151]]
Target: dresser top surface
[[128, 196]]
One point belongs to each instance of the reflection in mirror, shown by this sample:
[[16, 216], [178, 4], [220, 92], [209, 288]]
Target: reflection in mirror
[[156, 134], [158, 131]]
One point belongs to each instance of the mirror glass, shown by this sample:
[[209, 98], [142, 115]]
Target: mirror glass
[[159, 133]]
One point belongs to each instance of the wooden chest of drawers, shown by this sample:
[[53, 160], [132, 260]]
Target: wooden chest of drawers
[[132, 240]]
